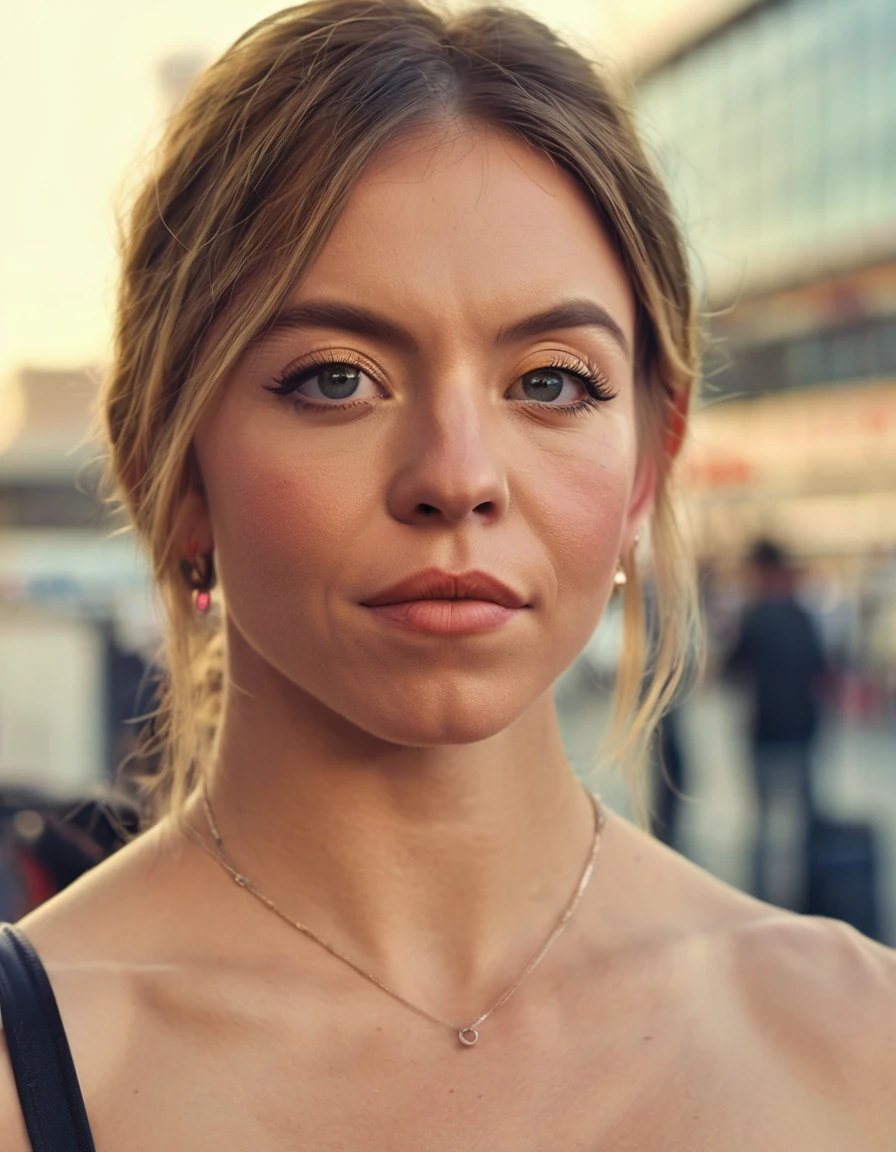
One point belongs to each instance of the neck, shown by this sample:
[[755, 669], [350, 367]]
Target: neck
[[441, 869]]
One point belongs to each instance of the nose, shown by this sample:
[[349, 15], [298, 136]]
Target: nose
[[451, 462]]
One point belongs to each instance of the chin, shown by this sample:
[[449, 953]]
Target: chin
[[461, 714]]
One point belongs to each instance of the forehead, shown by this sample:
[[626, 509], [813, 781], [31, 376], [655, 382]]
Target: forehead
[[469, 224]]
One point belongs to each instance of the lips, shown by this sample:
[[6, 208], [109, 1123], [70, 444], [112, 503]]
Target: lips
[[434, 584]]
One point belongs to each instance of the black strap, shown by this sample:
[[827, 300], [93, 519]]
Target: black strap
[[41, 1059]]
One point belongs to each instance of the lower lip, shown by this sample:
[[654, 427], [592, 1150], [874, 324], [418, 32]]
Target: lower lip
[[446, 617]]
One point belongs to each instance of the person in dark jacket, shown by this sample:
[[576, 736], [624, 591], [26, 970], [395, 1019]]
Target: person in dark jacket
[[779, 653]]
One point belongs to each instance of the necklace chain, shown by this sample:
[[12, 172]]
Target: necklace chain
[[468, 1034]]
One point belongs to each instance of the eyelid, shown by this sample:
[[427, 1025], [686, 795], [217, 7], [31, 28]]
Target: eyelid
[[333, 355], [562, 358], [591, 377]]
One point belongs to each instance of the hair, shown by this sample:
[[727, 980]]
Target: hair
[[248, 181]]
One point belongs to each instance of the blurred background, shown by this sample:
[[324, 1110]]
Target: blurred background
[[773, 123]]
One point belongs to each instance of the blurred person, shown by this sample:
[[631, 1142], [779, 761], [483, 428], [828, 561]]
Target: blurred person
[[668, 762], [130, 698], [779, 653], [879, 631], [668, 767], [404, 349]]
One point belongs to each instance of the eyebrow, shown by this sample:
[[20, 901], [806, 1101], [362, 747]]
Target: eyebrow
[[567, 314], [365, 322]]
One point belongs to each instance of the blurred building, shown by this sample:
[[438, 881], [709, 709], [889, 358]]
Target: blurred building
[[776, 131], [78, 626], [73, 592]]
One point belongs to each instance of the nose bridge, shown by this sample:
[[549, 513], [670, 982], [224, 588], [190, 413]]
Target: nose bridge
[[452, 458]]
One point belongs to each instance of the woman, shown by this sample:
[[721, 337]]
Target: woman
[[404, 347]]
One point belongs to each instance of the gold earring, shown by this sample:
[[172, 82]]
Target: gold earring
[[620, 579]]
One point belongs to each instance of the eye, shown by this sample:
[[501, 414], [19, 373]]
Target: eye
[[543, 385], [337, 382], [333, 381]]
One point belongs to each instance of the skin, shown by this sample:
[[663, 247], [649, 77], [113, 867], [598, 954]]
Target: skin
[[408, 796]]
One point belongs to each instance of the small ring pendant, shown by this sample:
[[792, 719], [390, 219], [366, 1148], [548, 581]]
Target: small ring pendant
[[468, 1037]]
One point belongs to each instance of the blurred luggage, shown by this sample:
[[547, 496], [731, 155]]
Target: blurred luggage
[[842, 873], [46, 843]]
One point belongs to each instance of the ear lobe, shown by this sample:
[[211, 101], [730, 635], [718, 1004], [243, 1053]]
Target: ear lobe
[[192, 528], [641, 500]]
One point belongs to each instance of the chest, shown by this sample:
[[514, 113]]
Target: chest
[[387, 1084]]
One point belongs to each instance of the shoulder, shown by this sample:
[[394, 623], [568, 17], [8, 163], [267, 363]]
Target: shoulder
[[92, 940], [782, 954], [822, 997], [798, 1000]]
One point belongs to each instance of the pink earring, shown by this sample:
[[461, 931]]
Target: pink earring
[[199, 573]]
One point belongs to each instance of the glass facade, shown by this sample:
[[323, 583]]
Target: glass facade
[[777, 138], [845, 353]]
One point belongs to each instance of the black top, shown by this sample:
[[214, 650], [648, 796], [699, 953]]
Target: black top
[[39, 1052]]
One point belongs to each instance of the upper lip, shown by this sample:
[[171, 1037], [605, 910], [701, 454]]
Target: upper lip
[[434, 584]]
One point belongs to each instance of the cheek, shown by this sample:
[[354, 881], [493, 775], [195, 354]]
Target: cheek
[[584, 518], [581, 518], [278, 512]]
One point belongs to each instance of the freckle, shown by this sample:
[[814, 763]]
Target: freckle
[[648, 1037], [450, 1089]]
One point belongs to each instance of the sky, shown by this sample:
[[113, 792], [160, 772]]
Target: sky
[[81, 103]]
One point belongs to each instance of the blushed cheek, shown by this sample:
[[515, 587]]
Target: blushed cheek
[[585, 521], [270, 508]]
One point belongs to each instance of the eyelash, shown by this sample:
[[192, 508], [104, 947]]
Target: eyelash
[[591, 378]]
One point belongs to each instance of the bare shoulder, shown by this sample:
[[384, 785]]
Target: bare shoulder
[[821, 967], [803, 1003], [823, 997], [91, 939]]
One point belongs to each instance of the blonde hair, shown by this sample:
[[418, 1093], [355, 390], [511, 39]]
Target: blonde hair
[[249, 179]]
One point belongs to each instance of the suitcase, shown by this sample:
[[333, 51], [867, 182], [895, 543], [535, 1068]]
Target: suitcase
[[842, 868]]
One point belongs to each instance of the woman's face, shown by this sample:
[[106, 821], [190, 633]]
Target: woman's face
[[463, 301]]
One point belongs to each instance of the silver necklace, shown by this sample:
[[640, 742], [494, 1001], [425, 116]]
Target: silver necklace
[[467, 1034]]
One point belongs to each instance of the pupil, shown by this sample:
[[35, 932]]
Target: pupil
[[544, 379], [339, 379]]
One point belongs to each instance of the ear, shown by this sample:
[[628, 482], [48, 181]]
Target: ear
[[676, 421], [647, 475], [192, 526], [640, 502]]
